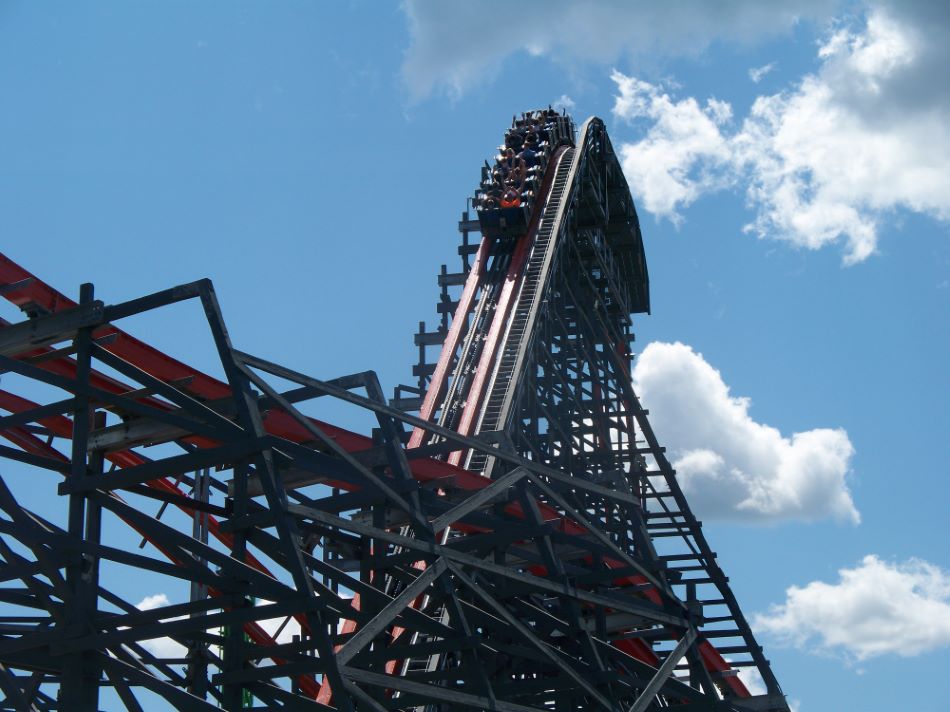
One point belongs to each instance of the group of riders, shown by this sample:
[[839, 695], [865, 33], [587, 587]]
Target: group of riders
[[514, 179]]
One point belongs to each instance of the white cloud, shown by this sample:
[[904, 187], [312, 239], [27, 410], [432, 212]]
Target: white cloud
[[165, 647], [454, 46], [684, 152], [151, 602], [729, 465], [877, 608], [288, 627], [162, 647], [564, 103], [752, 679], [756, 74], [821, 163]]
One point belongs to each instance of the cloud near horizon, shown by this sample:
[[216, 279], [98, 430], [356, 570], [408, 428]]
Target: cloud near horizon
[[730, 466], [876, 608]]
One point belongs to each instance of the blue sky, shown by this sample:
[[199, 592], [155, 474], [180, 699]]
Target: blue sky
[[791, 168]]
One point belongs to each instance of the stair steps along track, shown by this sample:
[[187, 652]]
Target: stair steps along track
[[385, 577], [558, 391], [520, 322]]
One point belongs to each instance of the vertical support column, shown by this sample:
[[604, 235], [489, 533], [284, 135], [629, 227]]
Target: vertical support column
[[79, 690], [233, 657], [422, 385], [463, 250], [197, 653]]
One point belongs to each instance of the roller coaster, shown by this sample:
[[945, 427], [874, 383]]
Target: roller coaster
[[509, 536]]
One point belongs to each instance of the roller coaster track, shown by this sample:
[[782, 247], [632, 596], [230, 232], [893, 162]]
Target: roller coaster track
[[304, 566]]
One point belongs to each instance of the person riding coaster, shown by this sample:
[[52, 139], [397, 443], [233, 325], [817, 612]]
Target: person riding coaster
[[506, 195]]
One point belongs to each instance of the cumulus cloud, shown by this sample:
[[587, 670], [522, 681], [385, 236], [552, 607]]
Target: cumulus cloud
[[824, 161], [454, 46], [151, 602], [877, 608], [683, 153], [729, 465]]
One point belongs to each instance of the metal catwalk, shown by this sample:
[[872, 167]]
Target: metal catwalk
[[510, 536]]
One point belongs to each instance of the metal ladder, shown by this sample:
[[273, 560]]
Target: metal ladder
[[532, 283]]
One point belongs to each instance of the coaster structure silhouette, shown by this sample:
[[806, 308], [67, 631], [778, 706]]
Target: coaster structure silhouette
[[507, 534]]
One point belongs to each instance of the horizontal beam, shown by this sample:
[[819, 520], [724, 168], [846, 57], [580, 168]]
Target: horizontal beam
[[49, 329]]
